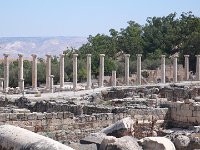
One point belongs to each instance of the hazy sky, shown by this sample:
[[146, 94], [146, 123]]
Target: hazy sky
[[82, 17]]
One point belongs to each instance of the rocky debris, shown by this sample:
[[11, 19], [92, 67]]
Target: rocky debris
[[78, 146], [120, 128], [156, 143], [123, 143], [16, 138], [181, 142]]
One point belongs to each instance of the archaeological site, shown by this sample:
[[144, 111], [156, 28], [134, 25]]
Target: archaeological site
[[158, 112]]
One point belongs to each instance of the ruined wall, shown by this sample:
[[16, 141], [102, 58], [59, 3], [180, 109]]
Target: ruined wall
[[183, 114], [38, 122], [148, 114]]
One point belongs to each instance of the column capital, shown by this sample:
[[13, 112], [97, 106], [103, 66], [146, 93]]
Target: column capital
[[34, 55], [51, 76], [89, 55], [20, 55], [139, 55], [126, 55], [62, 55], [163, 56], [75, 55], [48, 55], [186, 55], [5, 55], [197, 55], [102, 55], [175, 56]]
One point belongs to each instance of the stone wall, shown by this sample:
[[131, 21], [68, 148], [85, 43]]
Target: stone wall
[[58, 121], [148, 114], [183, 114]]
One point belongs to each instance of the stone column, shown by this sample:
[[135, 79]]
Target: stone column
[[186, 67], [101, 70], [75, 71], [51, 83], [175, 68], [48, 71], [6, 72], [34, 72], [127, 68], [162, 68], [62, 72], [1, 84], [21, 73], [113, 78], [89, 82], [139, 76], [21, 84], [198, 68]]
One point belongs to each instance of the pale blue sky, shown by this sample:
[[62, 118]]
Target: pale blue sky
[[82, 17]]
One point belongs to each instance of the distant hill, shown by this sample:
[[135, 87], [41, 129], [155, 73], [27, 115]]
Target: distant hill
[[38, 45]]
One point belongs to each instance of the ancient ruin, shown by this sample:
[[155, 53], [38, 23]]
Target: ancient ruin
[[136, 115]]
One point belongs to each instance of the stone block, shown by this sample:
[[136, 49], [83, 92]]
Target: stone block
[[21, 116], [60, 115], [40, 116], [31, 116], [56, 122], [12, 116], [49, 115], [4, 117]]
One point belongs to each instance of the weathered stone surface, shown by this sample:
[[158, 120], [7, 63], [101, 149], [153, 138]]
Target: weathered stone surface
[[123, 143], [16, 138], [181, 142], [93, 138], [120, 128], [156, 143]]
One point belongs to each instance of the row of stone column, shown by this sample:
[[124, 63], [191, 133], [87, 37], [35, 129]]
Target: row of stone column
[[49, 77]]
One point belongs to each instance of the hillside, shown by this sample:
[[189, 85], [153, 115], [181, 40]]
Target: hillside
[[38, 45]]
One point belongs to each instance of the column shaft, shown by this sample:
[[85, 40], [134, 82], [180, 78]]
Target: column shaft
[[75, 71], [139, 69], [34, 72], [198, 68], [113, 78], [89, 82], [127, 69], [62, 71], [48, 71], [175, 68], [21, 73], [51, 83], [6, 73], [162, 68], [101, 70], [186, 67]]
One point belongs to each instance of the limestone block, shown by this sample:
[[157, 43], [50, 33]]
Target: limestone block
[[12, 116], [40, 116], [183, 119], [31, 116], [21, 116], [60, 115], [156, 143], [181, 142], [49, 115], [4, 117], [126, 123], [123, 143], [56, 122]]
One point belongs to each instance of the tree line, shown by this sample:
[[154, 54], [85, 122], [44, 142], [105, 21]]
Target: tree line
[[160, 35]]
